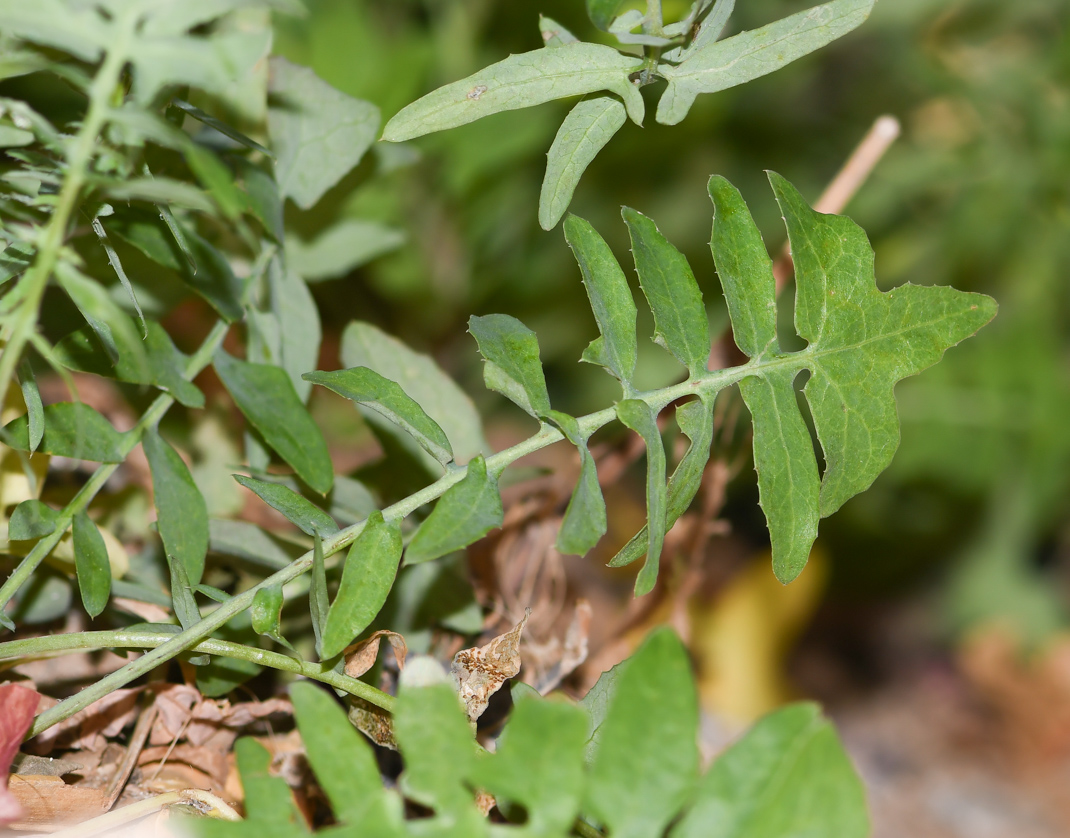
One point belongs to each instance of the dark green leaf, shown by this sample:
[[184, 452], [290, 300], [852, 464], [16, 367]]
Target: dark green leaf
[[520, 81], [722, 64], [31, 519], [91, 565], [386, 398], [463, 515], [585, 131], [646, 760], [168, 367], [181, 512], [788, 776], [318, 603], [696, 421], [611, 300], [72, 429], [367, 577], [638, 416], [585, 518], [603, 12], [266, 397], [184, 603], [680, 323], [300, 511], [217, 178], [219, 126], [35, 411], [14, 259], [511, 361], [318, 132], [213, 278], [264, 199]]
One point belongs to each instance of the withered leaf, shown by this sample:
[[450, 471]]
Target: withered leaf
[[480, 672], [360, 657]]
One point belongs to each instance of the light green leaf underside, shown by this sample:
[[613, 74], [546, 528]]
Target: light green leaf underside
[[318, 600], [465, 513], [386, 398], [339, 249], [788, 776], [181, 511], [638, 416], [749, 55], [553, 33], [611, 300], [696, 422], [365, 345], [583, 133], [300, 511], [585, 518], [680, 322], [512, 365], [368, 575], [266, 396], [520, 81], [861, 342]]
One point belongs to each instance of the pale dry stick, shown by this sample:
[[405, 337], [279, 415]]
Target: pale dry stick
[[203, 801], [133, 750], [847, 182]]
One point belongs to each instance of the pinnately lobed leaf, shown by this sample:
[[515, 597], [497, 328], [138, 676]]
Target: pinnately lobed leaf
[[520, 81], [718, 65], [861, 342], [511, 361]]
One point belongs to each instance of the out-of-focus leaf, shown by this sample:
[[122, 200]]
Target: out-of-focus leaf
[[711, 23], [511, 361], [554, 34], [184, 603], [341, 248], [638, 416], [11, 137], [213, 279], [318, 132], [300, 511], [787, 776], [182, 515], [31, 519], [646, 761], [14, 259], [520, 81], [20, 706], [367, 577], [385, 397], [611, 300], [72, 429], [585, 518], [247, 541], [91, 565], [585, 131], [364, 345], [539, 764], [696, 421], [81, 31], [218, 125], [265, 203], [217, 178], [300, 332], [464, 514], [266, 397], [117, 266], [680, 322], [603, 12], [159, 190], [35, 410], [748, 55]]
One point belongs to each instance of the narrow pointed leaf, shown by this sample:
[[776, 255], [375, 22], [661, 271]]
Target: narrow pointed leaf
[[784, 458], [585, 131], [220, 126], [91, 565], [72, 429], [638, 416], [117, 266], [787, 776], [463, 515], [520, 81], [213, 278], [367, 577], [217, 178], [181, 511], [386, 398], [266, 396], [318, 603], [710, 24], [167, 366], [646, 759], [611, 299], [35, 411], [749, 55], [511, 361], [680, 322], [696, 421], [31, 519], [184, 603], [300, 511], [585, 518]]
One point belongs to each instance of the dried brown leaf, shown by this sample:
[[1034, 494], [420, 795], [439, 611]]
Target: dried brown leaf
[[373, 722], [17, 707], [480, 672], [360, 657]]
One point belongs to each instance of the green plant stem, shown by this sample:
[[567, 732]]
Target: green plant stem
[[21, 574], [653, 23], [78, 160], [585, 830], [708, 384], [36, 647]]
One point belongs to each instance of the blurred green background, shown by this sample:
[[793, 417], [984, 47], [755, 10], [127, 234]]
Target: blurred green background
[[975, 194]]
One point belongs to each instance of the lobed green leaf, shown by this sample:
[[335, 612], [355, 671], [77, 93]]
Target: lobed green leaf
[[520, 81], [511, 361]]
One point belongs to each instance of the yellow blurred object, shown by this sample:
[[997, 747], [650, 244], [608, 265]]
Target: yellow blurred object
[[21, 474], [741, 639]]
